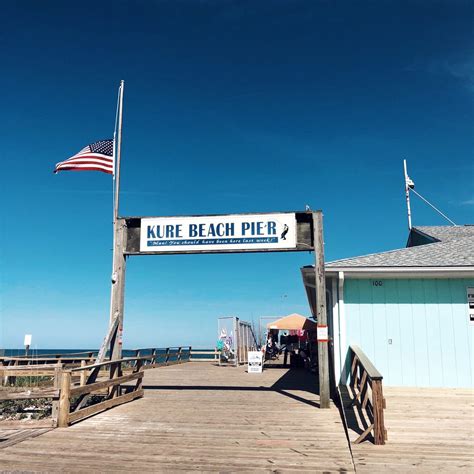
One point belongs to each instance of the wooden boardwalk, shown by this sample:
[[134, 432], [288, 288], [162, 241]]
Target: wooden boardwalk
[[429, 430], [198, 416], [11, 436]]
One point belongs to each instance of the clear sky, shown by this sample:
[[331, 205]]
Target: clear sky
[[230, 106]]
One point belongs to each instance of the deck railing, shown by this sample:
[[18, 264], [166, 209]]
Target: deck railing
[[157, 357], [366, 382], [71, 360], [73, 399], [209, 356], [73, 384]]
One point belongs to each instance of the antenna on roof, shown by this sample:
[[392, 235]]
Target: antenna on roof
[[408, 183], [410, 186]]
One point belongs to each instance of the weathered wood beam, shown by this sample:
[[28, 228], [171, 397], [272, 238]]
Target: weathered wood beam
[[321, 310]]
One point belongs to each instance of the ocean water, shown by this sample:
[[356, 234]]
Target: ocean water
[[39, 352], [125, 352]]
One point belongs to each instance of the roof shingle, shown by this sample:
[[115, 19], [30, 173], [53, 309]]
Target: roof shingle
[[454, 248]]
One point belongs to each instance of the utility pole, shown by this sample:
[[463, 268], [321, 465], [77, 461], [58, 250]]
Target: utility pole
[[321, 310]]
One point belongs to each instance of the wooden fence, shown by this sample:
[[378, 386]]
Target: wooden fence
[[209, 356], [85, 389], [366, 382]]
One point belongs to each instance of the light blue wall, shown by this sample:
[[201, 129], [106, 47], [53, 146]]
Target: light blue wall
[[427, 321]]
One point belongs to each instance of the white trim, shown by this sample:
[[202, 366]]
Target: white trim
[[404, 272], [342, 327], [336, 330]]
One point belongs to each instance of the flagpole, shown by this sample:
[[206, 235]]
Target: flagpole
[[407, 193], [118, 266], [116, 190], [118, 152]]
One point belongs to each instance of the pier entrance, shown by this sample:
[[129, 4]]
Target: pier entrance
[[197, 416], [238, 233]]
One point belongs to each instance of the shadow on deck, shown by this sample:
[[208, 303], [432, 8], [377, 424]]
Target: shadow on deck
[[291, 380]]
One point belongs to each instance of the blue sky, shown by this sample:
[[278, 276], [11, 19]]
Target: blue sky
[[230, 107]]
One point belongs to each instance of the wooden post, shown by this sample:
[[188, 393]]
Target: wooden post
[[115, 372], [377, 400], [136, 364], [179, 355], [64, 399], [321, 314], [139, 383], [167, 358], [55, 405], [236, 341], [83, 378], [118, 288]]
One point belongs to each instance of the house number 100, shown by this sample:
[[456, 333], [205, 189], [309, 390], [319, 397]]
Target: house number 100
[[377, 282]]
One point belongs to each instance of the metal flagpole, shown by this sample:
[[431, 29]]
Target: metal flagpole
[[118, 152], [116, 187], [407, 192], [119, 93], [118, 268], [113, 338]]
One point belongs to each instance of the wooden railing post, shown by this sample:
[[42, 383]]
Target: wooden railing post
[[139, 383], [365, 381], [179, 355], [83, 376], [167, 358], [64, 399], [137, 354], [378, 404], [116, 372], [189, 353], [55, 404]]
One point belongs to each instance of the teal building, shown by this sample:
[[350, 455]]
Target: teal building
[[410, 310]]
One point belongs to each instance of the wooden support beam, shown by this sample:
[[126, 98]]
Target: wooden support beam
[[105, 384], [83, 378], [109, 337], [64, 399], [364, 434], [118, 287], [29, 395], [105, 405], [378, 405], [321, 310]]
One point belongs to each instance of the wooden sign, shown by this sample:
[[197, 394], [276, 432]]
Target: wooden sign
[[227, 233]]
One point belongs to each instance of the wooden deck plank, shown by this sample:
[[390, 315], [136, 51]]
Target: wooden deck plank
[[204, 417], [428, 430], [209, 418], [9, 437]]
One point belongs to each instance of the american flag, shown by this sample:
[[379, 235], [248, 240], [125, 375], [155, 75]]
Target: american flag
[[95, 157]]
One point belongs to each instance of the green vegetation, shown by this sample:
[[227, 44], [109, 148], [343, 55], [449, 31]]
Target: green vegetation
[[30, 381], [35, 409]]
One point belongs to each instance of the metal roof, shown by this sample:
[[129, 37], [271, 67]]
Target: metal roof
[[453, 246]]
